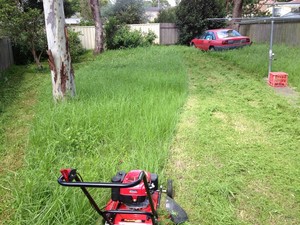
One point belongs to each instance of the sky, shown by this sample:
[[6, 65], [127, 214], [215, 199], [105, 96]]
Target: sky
[[172, 2]]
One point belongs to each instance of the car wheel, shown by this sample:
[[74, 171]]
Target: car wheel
[[212, 49], [193, 45]]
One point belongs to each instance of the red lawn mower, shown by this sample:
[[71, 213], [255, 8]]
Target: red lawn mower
[[135, 197]]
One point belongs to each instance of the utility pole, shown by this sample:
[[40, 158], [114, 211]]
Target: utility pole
[[271, 54]]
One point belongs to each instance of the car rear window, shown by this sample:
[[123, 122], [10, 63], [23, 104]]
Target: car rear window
[[228, 33]]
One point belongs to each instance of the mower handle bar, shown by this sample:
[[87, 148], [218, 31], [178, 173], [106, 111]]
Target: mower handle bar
[[83, 185], [62, 182]]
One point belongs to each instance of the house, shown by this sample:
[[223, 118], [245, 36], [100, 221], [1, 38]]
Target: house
[[280, 8], [72, 21], [295, 9], [152, 13]]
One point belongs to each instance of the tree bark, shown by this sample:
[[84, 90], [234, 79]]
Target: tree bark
[[95, 7], [36, 59], [62, 73], [35, 56], [237, 12], [228, 3]]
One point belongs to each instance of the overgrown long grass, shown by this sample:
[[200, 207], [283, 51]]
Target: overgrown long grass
[[234, 154], [122, 118]]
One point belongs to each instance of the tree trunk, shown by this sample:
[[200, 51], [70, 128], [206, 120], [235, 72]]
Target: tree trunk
[[36, 59], [228, 3], [35, 56], [237, 12], [62, 73], [95, 7]]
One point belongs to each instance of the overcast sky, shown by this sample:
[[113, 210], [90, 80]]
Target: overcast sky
[[172, 2]]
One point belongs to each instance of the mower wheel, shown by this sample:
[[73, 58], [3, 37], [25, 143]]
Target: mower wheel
[[170, 190]]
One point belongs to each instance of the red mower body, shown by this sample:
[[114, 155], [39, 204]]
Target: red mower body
[[133, 198], [137, 193], [134, 219]]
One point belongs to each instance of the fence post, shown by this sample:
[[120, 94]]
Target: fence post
[[168, 34], [6, 55]]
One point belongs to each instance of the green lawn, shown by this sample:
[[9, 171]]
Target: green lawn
[[239, 144], [208, 120]]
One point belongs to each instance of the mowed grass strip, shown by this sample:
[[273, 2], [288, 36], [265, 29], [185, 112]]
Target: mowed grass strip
[[236, 150], [123, 118], [18, 94], [255, 60]]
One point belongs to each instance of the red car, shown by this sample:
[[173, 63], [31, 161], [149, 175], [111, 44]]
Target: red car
[[220, 39]]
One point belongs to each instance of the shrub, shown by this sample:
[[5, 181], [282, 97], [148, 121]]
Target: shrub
[[150, 37], [76, 48], [120, 36], [125, 38], [111, 28], [166, 16], [192, 18]]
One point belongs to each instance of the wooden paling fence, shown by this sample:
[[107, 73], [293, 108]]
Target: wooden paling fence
[[6, 54], [166, 33], [285, 32]]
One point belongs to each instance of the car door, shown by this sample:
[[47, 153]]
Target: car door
[[208, 40], [199, 40]]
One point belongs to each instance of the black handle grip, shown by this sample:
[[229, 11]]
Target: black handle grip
[[78, 183]]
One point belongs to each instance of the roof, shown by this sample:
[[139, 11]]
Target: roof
[[269, 19], [273, 1], [152, 9], [291, 15], [220, 29], [72, 20]]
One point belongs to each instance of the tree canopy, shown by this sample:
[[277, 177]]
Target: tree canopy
[[162, 4], [247, 8], [83, 7], [23, 22], [24, 25], [127, 11], [192, 15], [167, 15]]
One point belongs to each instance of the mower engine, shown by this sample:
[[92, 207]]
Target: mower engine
[[133, 198]]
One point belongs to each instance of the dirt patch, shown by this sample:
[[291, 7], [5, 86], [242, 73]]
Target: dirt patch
[[254, 104], [221, 116], [290, 93]]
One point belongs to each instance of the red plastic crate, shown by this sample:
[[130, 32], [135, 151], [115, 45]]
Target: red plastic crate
[[278, 79]]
